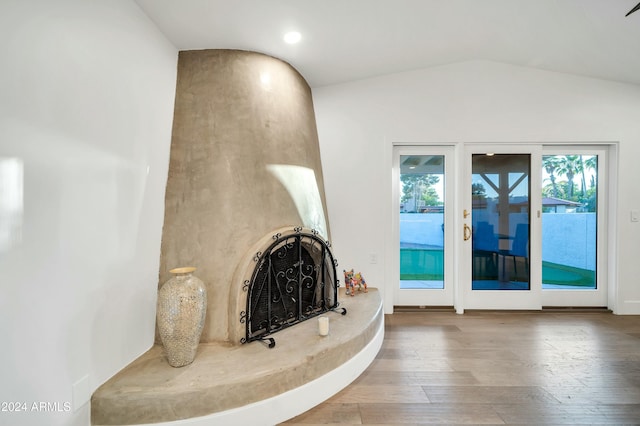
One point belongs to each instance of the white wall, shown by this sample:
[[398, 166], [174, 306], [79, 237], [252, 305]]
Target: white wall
[[475, 101], [86, 106]]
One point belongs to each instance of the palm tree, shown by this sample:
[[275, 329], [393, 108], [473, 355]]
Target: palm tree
[[590, 199], [569, 166], [550, 164], [591, 163], [583, 177]]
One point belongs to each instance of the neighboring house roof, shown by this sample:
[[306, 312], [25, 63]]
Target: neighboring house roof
[[546, 202], [551, 201], [521, 201]]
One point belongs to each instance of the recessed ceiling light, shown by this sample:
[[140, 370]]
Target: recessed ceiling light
[[292, 37]]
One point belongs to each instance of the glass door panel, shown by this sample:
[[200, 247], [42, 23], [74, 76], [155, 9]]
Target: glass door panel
[[569, 218], [422, 221], [500, 221]]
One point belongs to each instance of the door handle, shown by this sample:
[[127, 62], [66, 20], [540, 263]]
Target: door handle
[[466, 232]]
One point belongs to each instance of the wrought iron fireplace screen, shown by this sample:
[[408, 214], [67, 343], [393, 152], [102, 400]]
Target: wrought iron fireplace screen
[[294, 280]]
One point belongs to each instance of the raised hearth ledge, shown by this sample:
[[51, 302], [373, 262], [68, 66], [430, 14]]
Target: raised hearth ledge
[[248, 384]]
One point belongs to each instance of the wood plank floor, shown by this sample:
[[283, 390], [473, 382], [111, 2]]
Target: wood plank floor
[[540, 368]]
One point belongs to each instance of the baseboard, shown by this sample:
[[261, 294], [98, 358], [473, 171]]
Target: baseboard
[[423, 308]]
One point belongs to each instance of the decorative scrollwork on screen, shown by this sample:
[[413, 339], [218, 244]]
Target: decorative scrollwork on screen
[[295, 280]]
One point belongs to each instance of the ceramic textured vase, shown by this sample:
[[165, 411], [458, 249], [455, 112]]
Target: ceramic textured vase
[[182, 305]]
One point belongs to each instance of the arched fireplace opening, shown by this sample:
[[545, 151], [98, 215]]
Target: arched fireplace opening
[[294, 280]]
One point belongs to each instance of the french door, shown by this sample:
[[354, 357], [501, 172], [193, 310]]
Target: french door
[[500, 226], [424, 181], [574, 226], [500, 221]]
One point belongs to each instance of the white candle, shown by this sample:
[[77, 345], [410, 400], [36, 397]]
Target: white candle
[[323, 326]]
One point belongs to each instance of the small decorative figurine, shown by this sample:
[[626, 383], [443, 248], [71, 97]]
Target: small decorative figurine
[[353, 280], [348, 281]]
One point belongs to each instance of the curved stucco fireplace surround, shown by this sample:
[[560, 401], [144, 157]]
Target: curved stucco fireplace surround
[[245, 164], [245, 161]]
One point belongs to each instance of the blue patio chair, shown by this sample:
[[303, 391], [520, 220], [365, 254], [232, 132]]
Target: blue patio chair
[[520, 248], [485, 250]]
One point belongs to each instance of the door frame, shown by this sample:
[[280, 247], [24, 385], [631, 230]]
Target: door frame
[[610, 199]]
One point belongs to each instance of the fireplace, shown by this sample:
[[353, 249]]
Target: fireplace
[[245, 165], [294, 280], [245, 161]]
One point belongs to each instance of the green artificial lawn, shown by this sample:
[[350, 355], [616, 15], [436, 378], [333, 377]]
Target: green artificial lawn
[[553, 273], [428, 264], [421, 264]]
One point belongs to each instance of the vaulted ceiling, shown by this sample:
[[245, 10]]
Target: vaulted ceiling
[[345, 40]]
